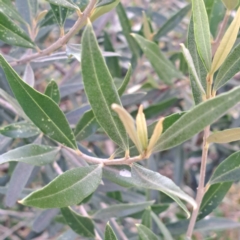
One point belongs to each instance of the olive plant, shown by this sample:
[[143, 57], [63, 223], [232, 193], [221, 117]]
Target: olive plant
[[48, 135]]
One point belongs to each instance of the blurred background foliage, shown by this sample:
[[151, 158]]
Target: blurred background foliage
[[164, 22]]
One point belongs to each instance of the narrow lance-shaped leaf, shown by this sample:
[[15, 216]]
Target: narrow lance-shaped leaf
[[199, 66], [22, 129], [67, 189], [125, 82], [100, 89], [197, 119], [172, 22], [103, 7], [226, 43], [37, 155], [228, 170], [53, 92], [202, 32], [229, 68], [230, 4], [63, 3], [213, 197], [192, 69], [42, 110], [12, 34], [145, 233], [225, 136], [146, 28], [153, 180], [109, 233], [60, 13], [163, 67], [126, 28], [112, 62], [121, 210], [79, 224]]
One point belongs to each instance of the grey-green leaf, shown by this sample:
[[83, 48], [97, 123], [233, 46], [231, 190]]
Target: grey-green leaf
[[163, 67], [60, 14], [68, 189], [20, 130], [100, 89], [79, 224], [202, 32], [199, 66], [145, 233], [42, 110], [213, 197], [153, 180], [63, 3], [126, 28], [112, 62], [230, 67], [125, 82], [121, 210], [34, 154], [197, 119], [172, 22], [12, 34], [109, 233], [228, 170], [53, 92]]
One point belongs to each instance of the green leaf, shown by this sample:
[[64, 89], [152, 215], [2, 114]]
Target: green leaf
[[121, 210], [79, 224], [63, 3], [225, 136], [67, 189], [11, 34], [112, 62], [20, 130], [125, 82], [146, 218], [199, 66], [228, 170], [7, 7], [197, 119], [126, 28], [60, 13], [109, 233], [152, 180], [163, 67], [202, 32], [172, 22], [192, 70], [102, 7], [145, 233], [88, 124], [42, 110], [37, 155], [163, 229], [156, 109], [226, 43], [230, 67], [52, 91], [100, 89], [213, 197]]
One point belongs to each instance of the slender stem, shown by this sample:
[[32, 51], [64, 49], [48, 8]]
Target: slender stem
[[221, 32], [61, 41], [201, 188]]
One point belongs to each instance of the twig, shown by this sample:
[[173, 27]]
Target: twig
[[221, 32], [119, 230], [201, 186], [61, 41], [12, 230]]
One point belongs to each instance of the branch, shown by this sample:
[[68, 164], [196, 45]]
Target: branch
[[61, 41]]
